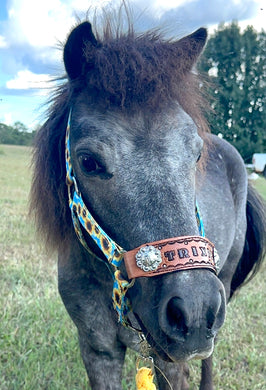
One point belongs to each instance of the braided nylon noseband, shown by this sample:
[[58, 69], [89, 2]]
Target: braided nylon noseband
[[112, 251]]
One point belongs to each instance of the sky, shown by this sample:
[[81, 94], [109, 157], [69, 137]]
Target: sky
[[31, 30]]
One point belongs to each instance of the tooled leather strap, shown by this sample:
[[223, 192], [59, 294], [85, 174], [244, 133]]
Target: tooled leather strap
[[174, 254]]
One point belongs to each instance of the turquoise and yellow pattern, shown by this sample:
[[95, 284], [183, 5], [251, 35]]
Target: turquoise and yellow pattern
[[112, 251], [199, 221]]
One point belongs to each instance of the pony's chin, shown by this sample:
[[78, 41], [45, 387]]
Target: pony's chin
[[180, 358], [170, 354], [200, 355], [160, 352], [169, 351]]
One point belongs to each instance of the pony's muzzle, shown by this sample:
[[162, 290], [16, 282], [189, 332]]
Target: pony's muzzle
[[193, 313]]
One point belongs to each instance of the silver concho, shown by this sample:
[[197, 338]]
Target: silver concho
[[148, 258]]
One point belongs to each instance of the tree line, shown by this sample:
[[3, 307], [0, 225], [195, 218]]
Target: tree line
[[18, 134], [235, 63]]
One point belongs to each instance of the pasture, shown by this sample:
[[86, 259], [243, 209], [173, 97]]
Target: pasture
[[38, 341]]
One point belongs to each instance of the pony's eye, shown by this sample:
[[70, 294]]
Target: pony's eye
[[89, 165]]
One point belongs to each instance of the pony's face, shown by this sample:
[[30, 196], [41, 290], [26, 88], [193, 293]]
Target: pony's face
[[136, 174], [136, 170]]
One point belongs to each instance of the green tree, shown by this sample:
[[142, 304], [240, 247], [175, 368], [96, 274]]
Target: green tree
[[236, 64], [17, 134]]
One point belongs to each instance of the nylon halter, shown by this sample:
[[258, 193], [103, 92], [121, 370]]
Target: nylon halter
[[112, 251]]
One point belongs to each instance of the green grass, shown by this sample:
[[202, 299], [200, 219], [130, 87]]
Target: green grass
[[260, 185], [38, 342]]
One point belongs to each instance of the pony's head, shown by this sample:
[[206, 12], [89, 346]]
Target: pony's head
[[136, 137]]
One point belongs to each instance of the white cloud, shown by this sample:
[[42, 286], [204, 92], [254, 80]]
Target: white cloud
[[27, 80], [42, 23], [3, 42], [7, 118], [34, 28], [39, 23], [169, 4], [83, 5], [259, 18]]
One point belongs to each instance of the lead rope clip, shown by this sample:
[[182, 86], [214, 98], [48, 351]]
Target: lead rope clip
[[145, 367]]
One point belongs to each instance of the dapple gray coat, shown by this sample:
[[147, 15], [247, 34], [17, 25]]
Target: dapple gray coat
[[142, 157]]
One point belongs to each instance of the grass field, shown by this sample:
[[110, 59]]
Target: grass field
[[38, 342]]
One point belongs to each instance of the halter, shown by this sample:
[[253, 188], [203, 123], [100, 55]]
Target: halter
[[153, 258]]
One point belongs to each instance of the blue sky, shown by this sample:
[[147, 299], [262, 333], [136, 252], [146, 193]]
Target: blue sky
[[31, 29]]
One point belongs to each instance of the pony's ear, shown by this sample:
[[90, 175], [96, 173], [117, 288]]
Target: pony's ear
[[78, 39], [191, 47]]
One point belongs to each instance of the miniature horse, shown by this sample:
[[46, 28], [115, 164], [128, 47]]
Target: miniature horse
[[138, 198]]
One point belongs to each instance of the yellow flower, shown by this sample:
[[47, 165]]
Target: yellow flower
[[144, 379]]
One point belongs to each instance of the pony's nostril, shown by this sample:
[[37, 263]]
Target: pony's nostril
[[177, 316], [210, 319], [182, 320], [219, 314]]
